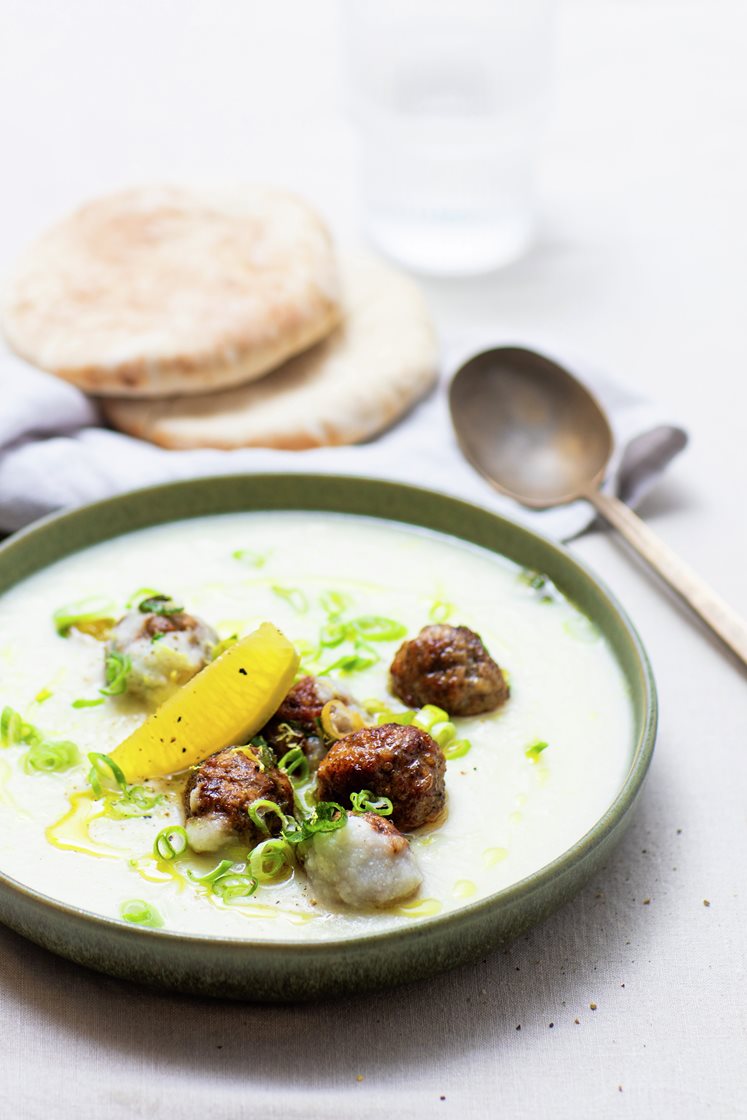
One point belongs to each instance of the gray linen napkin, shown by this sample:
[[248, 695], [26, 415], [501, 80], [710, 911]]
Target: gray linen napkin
[[55, 453]]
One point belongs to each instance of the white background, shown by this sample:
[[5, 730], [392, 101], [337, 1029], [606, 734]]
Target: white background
[[640, 267]]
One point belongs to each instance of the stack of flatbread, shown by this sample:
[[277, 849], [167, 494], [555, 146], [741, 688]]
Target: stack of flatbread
[[221, 318]]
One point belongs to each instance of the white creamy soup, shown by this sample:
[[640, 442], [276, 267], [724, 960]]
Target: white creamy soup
[[534, 776]]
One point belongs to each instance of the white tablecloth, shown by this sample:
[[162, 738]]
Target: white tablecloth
[[641, 268]]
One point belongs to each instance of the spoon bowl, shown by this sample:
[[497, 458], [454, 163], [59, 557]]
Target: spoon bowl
[[530, 427]]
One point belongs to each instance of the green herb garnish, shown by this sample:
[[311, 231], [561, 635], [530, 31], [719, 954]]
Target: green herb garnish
[[252, 559], [377, 628], [160, 604], [534, 750], [366, 802], [293, 596], [85, 613], [51, 756], [117, 669], [140, 913], [259, 809], [170, 843], [296, 765]]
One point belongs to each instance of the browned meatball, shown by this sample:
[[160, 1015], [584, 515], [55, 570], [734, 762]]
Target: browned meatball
[[297, 722], [220, 791], [448, 666], [402, 763]]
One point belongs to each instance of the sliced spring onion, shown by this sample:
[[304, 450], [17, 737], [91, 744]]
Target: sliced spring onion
[[51, 756], [339, 720], [377, 628], [42, 695], [259, 809], [11, 727], [444, 732], [457, 749], [170, 843], [137, 596], [221, 646], [540, 585], [365, 801], [160, 604], [252, 559], [295, 764], [270, 859], [428, 716], [440, 611], [138, 801], [334, 603], [293, 596], [14, 729], [93, 609], [405, 718], [117, 669], [140, 913], [535, 749], [352, 662], [104, 767], [333, 634], [211, 876], [83, 703], [234, 886]]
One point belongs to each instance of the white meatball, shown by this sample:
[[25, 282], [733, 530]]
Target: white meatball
[[165, 651], [367, 863]]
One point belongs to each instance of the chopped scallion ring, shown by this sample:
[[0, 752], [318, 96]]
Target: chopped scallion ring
[[405, 718], [259, 809], [295, 764], [14, 729], [429, 715], [91, 610], [270, 859], [117, 669], [334, 603], [365, 801], [333, 634], [377, 628], [83, 703], [457, 749], [252, 559], [535, 749], [100, 764], [137, 596], [138, 801], [293, 596], [211, 876], [49, 757], [171, 842], [234, 886], [440, 611], [160, 604], [221, 646], [140, 913]]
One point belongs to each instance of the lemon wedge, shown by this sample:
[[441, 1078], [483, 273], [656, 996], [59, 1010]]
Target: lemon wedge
[[226, 703]]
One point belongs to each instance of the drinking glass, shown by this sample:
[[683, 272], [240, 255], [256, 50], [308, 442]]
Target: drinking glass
[[448, 98]]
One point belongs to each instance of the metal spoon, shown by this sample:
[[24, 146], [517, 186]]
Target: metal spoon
[[539, 436]]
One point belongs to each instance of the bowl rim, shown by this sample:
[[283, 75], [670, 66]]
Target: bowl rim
[[536, 881]]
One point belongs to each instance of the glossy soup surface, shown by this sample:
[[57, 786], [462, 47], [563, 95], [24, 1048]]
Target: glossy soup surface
[[509, 812]]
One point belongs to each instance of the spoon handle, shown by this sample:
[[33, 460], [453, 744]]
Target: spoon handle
[[714, 611]]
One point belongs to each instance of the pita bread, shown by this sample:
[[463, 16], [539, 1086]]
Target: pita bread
[[347, 388], [171, 290]]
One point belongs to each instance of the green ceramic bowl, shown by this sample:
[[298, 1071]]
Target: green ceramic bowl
[[289, 970]]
